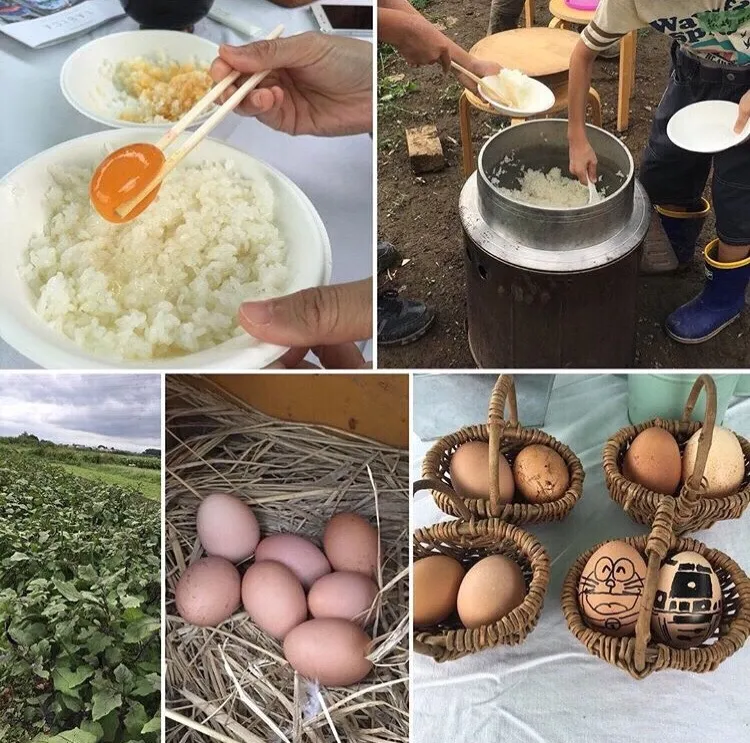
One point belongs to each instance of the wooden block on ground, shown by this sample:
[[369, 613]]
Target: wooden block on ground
[[425, 150]]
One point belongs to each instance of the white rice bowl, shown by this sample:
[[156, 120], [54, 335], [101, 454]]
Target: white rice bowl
[[169, 282], [87, 77], [162, 291]]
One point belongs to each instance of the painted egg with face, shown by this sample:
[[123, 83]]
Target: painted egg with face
[[610, 589], [688, 602]]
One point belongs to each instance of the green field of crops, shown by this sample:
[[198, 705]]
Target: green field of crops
[[79, 605]]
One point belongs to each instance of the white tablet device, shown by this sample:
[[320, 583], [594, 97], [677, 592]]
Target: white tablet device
[[344, 20]]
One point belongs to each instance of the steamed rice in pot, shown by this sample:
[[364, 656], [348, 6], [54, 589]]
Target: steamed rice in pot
[[551, 190]]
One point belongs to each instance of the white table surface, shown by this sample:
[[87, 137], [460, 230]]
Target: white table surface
[[549, 689], [335, 173]]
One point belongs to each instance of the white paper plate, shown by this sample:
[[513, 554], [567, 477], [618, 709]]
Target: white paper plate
[[22, 194], [89, 89], [543, 100], [706, 127]]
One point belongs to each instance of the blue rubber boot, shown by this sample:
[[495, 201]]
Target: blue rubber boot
[[718, 305], [683, 228]]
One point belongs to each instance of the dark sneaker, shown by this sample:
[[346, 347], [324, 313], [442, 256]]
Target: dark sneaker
[[388, 256], [401, 321]]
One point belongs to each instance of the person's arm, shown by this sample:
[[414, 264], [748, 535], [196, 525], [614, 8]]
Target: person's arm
[[613, 19], [402, 5], [582, 156], [421, 43]]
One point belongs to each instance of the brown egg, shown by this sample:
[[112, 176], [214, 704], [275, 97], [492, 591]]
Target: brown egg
[[300, 555], [342, 595], [208, 592], [331, 651], [273, 598], [470, 472], [688, 602], [491, 589], [725, 467], [436, 580], [541, 474], [351, 543], [653, 460], [227, 527], [609, 592]]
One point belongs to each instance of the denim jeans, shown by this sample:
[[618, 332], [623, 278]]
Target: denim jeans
[[675, 176], [504, 15]]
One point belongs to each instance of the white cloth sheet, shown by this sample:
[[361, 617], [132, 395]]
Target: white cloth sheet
[[549, 689], [335, 173]]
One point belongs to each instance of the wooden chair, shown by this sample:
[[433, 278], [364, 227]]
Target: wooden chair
[[565, 17]]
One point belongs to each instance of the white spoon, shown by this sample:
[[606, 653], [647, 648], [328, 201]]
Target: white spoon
[[594, 197]]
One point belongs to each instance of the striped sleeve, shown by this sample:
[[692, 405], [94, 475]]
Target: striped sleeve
[[613, 19]]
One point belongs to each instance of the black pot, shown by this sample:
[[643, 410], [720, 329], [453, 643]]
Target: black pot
[[177, 15]]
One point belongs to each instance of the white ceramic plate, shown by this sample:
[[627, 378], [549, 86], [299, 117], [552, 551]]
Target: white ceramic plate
[[706, 127], [88, 87], [22, 194], [543, 99]]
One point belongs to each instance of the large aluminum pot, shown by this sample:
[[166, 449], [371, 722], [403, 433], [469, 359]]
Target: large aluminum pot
[[549, 238]]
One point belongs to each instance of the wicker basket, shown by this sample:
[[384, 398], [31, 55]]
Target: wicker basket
[[639, 655], [694, 511], [469, 542], [506, 437]]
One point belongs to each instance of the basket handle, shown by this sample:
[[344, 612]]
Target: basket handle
[[457, 502], [693, 488], [659, 543], [424, 648], [503, 391]]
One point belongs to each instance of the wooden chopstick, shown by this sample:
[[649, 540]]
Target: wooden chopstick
[[478, 80], [203, 130], [212, 94]]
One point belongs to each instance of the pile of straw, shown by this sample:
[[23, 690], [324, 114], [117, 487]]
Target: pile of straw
[[233, 680]]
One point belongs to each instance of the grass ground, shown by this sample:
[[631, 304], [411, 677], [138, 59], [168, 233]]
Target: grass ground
[[147, 482], [145, 477]]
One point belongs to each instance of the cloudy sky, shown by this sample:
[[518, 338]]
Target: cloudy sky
[[115, 410]]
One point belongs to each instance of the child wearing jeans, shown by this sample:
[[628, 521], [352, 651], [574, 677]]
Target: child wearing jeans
[[710, 61]]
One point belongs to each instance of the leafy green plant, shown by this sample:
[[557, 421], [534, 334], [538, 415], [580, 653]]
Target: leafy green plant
[[391, 89], [79, 605]]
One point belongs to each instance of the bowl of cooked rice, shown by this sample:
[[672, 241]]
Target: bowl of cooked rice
[[139, 78], [161, 291]]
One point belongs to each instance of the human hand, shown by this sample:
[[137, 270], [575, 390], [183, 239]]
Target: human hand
[[319, 84], [420, 43], [583, 160], [484, 68], [326, 320], [481, 68], [744, 114]]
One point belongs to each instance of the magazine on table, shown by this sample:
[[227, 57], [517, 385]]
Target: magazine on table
[[40, 23]]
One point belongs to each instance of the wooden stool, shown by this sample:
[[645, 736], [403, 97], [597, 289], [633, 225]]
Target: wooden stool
[[563, 16], [542, 53]]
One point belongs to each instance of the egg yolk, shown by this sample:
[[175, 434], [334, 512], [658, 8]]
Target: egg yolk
[[121, 176]]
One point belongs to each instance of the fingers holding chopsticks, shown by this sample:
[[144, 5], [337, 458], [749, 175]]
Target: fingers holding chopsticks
[[316, 84]]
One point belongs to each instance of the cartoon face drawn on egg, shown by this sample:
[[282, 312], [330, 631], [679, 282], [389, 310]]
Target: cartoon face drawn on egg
[[688, 602], [609, 592]]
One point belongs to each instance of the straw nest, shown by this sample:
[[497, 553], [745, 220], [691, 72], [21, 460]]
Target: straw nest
[[233, 679]]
